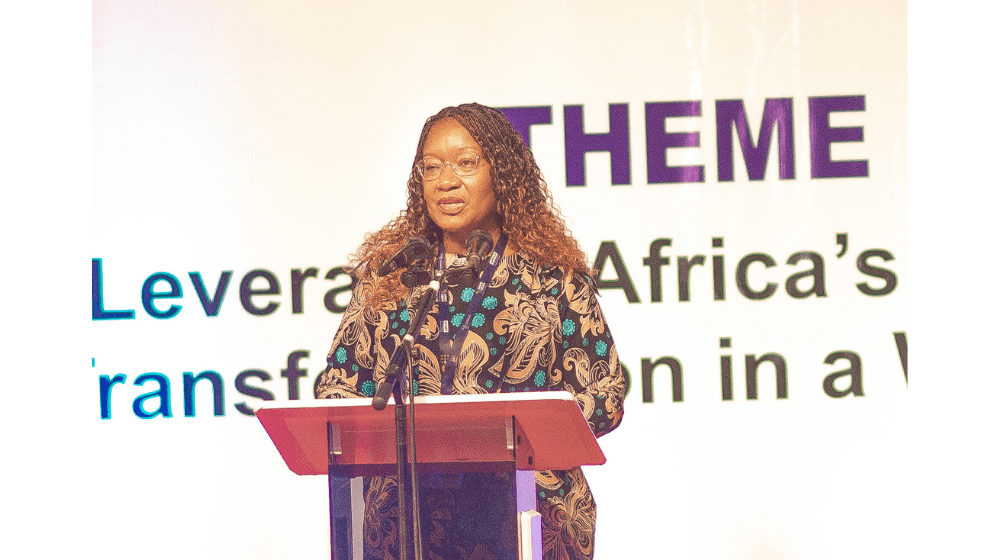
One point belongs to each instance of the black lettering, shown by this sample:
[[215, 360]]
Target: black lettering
[[246, 292], [676, 378], [854, 371], [298, 277], [609, 250], [654, 261], [842, 242], [901, 350], [684, 266], [330, 299], [727, 377], [743, 285], [816, 272], [780, 369], [889, 276], [718, 277], [718, 271], [293, 372]]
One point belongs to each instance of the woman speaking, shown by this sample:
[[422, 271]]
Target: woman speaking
[[532, 324]]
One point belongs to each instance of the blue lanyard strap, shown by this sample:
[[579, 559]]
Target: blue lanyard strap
[[450, 348]]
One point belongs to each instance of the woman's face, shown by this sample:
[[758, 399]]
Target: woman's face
[[458, 204]]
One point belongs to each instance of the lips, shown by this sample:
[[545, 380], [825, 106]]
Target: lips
[[451, 205]]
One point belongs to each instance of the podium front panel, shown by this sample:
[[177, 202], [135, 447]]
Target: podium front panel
[[463, 433]]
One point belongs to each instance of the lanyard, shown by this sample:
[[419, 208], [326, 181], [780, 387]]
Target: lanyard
[[451, 348]]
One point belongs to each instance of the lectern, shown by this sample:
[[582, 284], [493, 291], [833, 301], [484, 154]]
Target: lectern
[[513, 432]]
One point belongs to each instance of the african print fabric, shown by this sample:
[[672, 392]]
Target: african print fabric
[[537, 329]]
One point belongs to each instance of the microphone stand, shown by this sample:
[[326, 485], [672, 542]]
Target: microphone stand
[[401, 384]]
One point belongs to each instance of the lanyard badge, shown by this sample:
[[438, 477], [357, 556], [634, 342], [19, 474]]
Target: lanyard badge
[[450, 348]]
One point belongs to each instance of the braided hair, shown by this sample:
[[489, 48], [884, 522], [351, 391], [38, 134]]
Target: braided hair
[[533, 223]]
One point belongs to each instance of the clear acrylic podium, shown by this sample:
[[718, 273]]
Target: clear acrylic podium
[[513, 432]]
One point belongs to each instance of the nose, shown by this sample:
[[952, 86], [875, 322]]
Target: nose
[[448, 179]]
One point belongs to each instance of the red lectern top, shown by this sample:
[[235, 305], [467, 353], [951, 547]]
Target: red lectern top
[[527, 431]]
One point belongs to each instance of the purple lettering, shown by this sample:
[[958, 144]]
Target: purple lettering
[[658, 140], [615, 141], [730, 112], [521, 118], [821, 135]]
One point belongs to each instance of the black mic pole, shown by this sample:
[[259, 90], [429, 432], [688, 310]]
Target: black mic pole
[[423, 307], [393, 384], [400, 383], [401, 470], [410, 441]]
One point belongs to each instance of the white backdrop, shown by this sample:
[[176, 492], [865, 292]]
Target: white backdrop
[[230, 137], [233, 138]]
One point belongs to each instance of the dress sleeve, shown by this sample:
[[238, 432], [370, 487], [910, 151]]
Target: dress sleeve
[[586, 359], [359, 355]]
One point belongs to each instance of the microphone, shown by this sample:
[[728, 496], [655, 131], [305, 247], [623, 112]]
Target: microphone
[[415, 249], [477, 248], [381, 397]]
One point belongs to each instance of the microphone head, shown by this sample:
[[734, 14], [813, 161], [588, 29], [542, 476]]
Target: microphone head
[[477, 247], [418, 247], [479, 242], [415, 250]]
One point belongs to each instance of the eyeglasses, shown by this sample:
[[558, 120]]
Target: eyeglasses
[[464, 166]]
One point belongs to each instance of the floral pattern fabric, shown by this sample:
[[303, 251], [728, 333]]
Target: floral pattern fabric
[[537, 329]]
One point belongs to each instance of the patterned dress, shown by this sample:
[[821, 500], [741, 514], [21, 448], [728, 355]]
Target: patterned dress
[[535, 330]]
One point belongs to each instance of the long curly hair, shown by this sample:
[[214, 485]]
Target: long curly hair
[[533, 223]]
